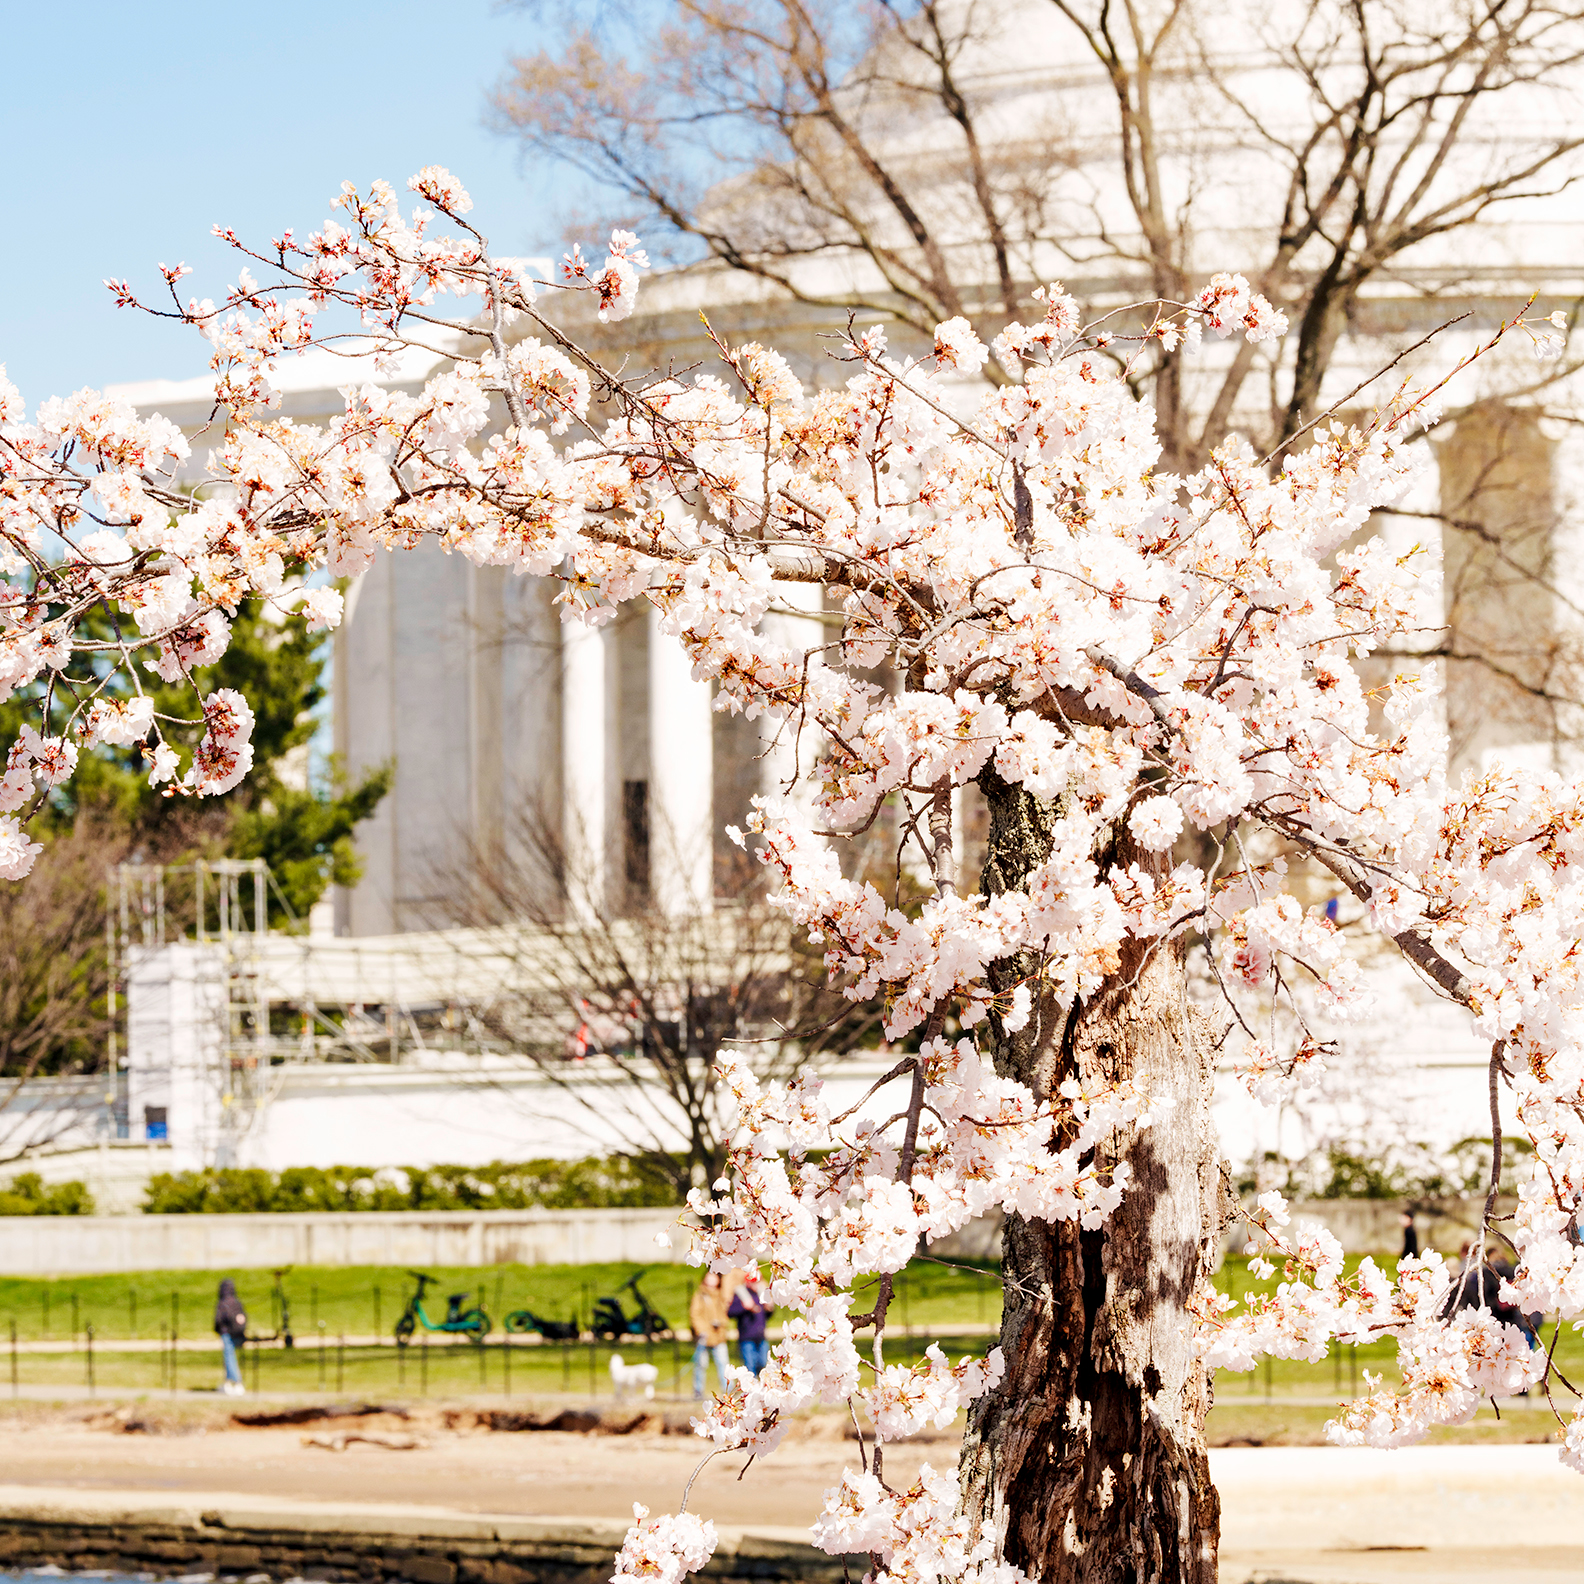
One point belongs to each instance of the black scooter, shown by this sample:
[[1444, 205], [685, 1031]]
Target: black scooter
[[611, 1320], [525, 1321]]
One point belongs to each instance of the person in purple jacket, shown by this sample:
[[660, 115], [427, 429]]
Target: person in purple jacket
[[749, 1309], [230, 1324]]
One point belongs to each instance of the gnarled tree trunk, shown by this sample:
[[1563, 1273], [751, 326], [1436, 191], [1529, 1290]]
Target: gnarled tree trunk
[[1088, 1462]]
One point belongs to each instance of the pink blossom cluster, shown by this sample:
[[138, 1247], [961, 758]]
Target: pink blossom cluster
[[1170, 665], [915, 1535], [1451, 1357], [664, 1550]]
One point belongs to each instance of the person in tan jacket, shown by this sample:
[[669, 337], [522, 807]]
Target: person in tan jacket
[[707, 1317]]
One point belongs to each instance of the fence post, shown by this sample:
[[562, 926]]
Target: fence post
[[74, 1319], [506, 1361], [566, 1364], [401, 1368], [423, 1365], [175, 1357], [341, 1363], [14, 1388], [256, 1361], [321, 1353], [132, 1311], [376, 1311], [593, 1390], [44, 1295], [483, 1353], [88, 1337]]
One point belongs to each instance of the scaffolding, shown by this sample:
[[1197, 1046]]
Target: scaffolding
[[230, 914], [227, 1007]]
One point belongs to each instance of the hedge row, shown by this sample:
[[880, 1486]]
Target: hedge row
[[593, 1183], [26, 1195]]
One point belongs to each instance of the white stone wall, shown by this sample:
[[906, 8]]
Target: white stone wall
[[76, 1245]]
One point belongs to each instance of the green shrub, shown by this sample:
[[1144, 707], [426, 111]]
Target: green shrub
[[26, 1195], [590, 1184]]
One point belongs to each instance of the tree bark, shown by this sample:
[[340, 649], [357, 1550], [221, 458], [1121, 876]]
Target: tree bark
[[1088, 1462]]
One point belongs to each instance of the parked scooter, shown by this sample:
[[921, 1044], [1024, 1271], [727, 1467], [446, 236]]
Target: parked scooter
[[283, 1332], [472, 1323], [611, 1320], [525, 1322]]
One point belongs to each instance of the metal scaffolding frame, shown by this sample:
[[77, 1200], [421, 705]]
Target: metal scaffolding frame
[[234, 926]]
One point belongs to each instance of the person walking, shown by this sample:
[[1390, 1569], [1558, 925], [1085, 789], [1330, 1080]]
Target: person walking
[[1410, 1248], [749, 1309], [707, 1316], [231, 1323]]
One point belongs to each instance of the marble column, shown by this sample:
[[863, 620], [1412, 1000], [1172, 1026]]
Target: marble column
[[583, 759], [1413, 530], [681, 779], [1567, 574], [789, 756]]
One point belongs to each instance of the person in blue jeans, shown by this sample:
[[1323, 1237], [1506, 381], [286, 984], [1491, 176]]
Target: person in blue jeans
[[749, 1309], [707, 1316], [230, 1322]]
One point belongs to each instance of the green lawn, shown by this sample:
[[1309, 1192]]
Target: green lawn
[[441, 1368], [364, 1300], [956, 1303]]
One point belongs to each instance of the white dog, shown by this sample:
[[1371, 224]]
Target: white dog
[[632, 1377]]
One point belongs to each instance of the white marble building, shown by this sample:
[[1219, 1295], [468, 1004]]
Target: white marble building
[[491, 710], [465, 681]]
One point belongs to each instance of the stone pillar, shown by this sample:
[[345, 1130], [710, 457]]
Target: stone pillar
[[583, 758], [1413, 529], [486, 749], [1566, 562], [681, 779], [365, 736], [788, 761], [1496, 474]]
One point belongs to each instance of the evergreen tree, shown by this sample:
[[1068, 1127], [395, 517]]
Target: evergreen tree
[[52, 1012]]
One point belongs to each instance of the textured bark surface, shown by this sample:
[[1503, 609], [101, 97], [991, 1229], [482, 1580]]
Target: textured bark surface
[[1089, 1460]]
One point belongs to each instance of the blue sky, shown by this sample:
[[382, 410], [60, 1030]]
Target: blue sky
[[133, 126]]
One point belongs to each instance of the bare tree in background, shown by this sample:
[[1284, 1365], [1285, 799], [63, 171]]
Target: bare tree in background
[[54, 974], [642, 997], [771, 132], [909, 159]]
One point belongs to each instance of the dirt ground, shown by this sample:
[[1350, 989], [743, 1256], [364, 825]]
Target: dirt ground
[[542, 1473], [1299, 1515]]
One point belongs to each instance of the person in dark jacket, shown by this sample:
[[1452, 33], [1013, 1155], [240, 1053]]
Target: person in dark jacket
[[749, 1309], [230, 1322], [1477, 1285], [1410, 1248]]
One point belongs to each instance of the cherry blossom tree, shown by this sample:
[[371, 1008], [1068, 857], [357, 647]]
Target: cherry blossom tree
[[1131, 665]]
